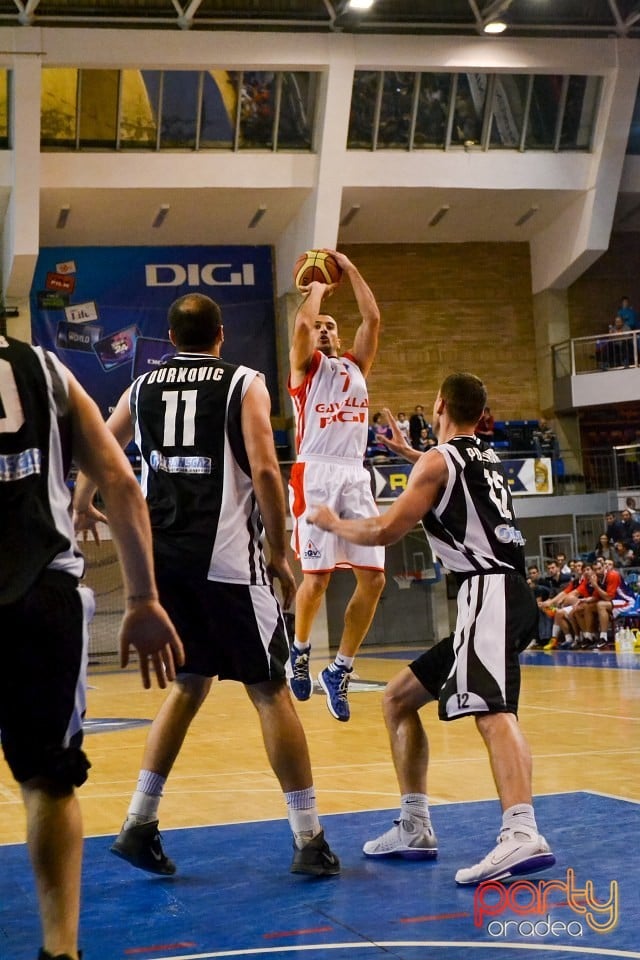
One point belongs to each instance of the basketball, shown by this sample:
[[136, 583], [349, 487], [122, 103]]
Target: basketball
[[316, 265]]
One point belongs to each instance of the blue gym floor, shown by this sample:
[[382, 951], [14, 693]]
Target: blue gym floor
[[233, 895]]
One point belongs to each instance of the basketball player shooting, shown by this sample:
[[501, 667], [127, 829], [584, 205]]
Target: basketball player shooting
[[330, 400]]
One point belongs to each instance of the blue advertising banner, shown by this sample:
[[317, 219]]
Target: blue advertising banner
[[526, 477], [103, 310]]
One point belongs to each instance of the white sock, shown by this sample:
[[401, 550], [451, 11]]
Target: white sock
[[303, 815], [414, 805], [342, 661], [300, 645], [146, 798], [520, 821]]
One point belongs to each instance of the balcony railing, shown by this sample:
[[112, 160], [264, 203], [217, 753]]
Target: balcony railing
[[615, 351]]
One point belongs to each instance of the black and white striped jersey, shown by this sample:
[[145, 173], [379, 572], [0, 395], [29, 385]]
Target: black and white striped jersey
[[472, 528], [36, 530], [195, 469]]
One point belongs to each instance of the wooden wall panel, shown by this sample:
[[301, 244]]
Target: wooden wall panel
[[447, 307]]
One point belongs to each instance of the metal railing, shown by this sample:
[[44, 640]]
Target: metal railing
[[614, 351]]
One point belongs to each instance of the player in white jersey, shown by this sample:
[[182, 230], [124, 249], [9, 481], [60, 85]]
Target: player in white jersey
[[460, 493], [330, 399]]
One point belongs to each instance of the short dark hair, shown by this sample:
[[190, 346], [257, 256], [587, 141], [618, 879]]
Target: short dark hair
[[465, 396], [195, 321]]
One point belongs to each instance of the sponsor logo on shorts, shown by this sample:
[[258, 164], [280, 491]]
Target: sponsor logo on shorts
[[311, 552]]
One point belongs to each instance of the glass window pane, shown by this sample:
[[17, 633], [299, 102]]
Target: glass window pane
[[219, 106], [395, 109], [508, 110], [297, 110], [471, 95], [98, 115], [4, 108], [257, 101], [180, 93], [633, 146], [579, 113], [58, 106], [543, 113], [433, 106], [363, 108], [139, 111]]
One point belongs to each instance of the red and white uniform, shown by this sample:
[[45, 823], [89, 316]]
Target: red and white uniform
[[331, 411]]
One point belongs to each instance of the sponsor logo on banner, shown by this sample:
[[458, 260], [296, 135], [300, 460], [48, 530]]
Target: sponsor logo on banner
[[196, 275], [527, 477], [58, 281], [67, 266], [48, 300], [81, 312], [117, 348], [72, 337]]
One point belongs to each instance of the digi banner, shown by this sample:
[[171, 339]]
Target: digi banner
[[103, 310], [527, 477]]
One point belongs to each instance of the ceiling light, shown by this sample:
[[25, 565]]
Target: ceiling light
[[495, 26], [161, 215], [531, 212], [359, 4], [257, 217], [350, 214], [439, 214], [63, 216]]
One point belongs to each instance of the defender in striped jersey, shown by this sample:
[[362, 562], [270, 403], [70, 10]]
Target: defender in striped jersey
[[214, 491], [460, 493], [47, 420]]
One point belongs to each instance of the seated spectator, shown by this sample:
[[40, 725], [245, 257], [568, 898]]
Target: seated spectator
[[403, 426], [545, 442], [627, 526], [377, 450], [555, 579], [613, 529], [427, 438], [620, 351], [564, 630], [485, 428], [621, 558], [604, 549], [633, 554], [541, 592], [417, 423], [565, 568]]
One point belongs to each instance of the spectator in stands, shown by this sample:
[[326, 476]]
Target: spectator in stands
[[377, 450], [427, 439], [621, 558], [417, 423], [613, 529], [555, 578], [627, 526], [627, 313], [541, 592], [485, 428], [633, 554], [403, 426], [620, 351], [604, 549], [561, 560], [545, 442]]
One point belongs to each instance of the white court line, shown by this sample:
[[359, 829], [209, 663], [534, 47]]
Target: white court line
[[581, 713], [386, 944]]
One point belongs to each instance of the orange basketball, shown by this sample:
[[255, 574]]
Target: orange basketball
[[316, 265]]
